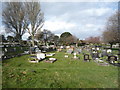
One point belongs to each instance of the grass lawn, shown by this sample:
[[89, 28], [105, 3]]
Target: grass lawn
[[64, 73]]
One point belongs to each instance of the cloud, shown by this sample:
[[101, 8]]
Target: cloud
[[82, 19], [25, 36], [96, 11], [2, 30], [58, 25]]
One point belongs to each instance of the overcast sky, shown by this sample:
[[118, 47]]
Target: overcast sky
[[82, 19]]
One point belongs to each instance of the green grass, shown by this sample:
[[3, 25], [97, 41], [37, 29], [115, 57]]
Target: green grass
[[64, 73]]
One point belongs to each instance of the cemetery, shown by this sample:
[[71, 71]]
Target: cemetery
[[59, 69], [61, 50], [61, 66]]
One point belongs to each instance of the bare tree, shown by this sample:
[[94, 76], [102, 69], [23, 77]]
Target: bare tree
[[93, 40], [13, 17], [112, 30], [71, 40], [34, 18]]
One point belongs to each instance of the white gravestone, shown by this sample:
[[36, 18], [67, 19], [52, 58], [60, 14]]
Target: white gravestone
[[52, 59], [98, 49], [66, 56], [40, 56], [109, 51], [75, 55], [67, 47]]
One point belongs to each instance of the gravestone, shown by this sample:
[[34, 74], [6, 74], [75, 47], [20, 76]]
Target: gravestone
[[70, 51], [26, 52], [14, 49], [6, 50], [104, 53], [21, 48], [100, 55], [97, 48], [67, 47], [7, 45], [61, 47], [66, 56], [75, 56], [50, 54], [36, 50], [40, 56], [109, 52], [93, 48], [58, 50], [95, 54], [50, 60], [112, 59], [76, 51], [86, 57], [32, 50]]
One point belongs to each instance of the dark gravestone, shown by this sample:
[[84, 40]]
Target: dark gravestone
[[86, 57], [112, 59]]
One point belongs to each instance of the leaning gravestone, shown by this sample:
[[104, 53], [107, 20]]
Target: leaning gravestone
[[6, 50], [86, 57], [100, 55]]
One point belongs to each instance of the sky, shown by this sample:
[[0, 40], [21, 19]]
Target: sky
[[82, 19]]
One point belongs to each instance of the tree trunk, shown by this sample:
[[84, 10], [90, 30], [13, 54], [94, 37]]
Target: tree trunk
[[33, 43]]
